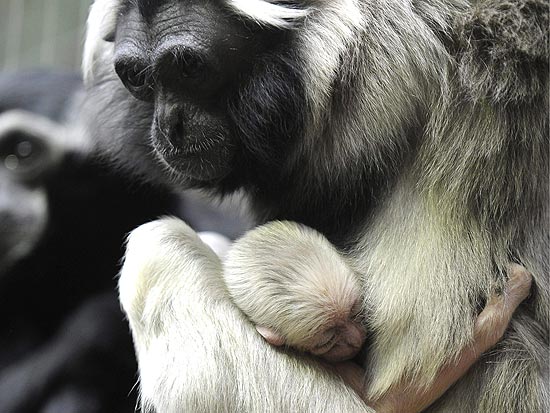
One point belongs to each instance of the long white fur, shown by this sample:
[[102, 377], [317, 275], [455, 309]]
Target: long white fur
[[269, 14], [335, 25], [171, 278], [101, 23]]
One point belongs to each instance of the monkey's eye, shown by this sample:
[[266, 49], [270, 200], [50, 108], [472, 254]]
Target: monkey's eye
[[326, 342], [24, 155], [192, 66], [136, 78]]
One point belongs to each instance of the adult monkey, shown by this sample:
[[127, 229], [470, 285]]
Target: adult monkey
[[413, 134]]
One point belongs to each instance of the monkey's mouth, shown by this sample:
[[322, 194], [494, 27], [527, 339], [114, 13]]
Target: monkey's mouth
[[197, 150]]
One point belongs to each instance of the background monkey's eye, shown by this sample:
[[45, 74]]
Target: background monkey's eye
[[23, 154]]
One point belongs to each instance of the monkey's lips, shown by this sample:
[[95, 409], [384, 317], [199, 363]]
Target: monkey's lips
[[202, 154]]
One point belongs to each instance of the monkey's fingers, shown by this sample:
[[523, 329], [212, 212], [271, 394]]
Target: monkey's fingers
[[495, 317]]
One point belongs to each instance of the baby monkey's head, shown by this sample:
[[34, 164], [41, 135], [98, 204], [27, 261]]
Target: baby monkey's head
[[297, 289]]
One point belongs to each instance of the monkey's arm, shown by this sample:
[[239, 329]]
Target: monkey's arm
[[489, 329], [196, 351]]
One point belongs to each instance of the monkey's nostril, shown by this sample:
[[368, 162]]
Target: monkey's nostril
[[173, 128], [178, 130]]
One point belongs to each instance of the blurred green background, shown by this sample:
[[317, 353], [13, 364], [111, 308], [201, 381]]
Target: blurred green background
[[42, 33]]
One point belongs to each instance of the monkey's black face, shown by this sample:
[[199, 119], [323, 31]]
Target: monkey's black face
[[293, 101], [218, 100]]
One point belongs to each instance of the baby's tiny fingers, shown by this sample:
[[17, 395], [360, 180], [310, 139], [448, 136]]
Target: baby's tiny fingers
[[518, 286], [495, 317]]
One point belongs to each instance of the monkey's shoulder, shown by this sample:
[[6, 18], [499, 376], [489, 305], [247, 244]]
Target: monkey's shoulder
[[502, 50]]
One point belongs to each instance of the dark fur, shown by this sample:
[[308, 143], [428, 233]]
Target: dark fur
[[502, 51], [63, 343]]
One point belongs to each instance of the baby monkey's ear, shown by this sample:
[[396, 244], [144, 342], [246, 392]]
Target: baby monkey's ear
[[271, 336]]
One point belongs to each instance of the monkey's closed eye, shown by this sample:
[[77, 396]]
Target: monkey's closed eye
[[326, 343], [24, 155], [136, 78]]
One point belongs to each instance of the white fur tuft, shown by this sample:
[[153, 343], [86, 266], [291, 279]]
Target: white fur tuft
[[101, 23], [267, 13]]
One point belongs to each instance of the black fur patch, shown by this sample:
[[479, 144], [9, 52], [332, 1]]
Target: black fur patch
[[268, 113], [147, 8]]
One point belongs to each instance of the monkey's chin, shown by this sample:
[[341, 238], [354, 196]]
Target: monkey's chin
[[197, 165]]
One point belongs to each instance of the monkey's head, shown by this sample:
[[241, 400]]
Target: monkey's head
[[213, 91], [297, 289], [31, 147], [232, 93]]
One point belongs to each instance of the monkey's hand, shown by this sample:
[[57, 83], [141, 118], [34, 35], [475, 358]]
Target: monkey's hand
[[494, 319], [489, 328]]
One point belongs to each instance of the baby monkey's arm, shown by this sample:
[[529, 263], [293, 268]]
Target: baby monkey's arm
[[489, 329]]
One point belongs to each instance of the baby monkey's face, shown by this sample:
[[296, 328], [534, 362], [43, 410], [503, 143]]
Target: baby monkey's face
[[335, 331], [339, 338], [342, 342]]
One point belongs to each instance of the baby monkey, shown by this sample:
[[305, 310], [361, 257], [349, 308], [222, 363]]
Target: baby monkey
[[297, 289], [300, 292]]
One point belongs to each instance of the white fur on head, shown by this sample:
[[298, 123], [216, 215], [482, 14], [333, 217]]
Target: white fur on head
[[101, 24], [268, 13], [323, 41], [290, 279]]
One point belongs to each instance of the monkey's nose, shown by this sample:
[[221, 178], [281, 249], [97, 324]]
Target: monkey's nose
[[170, 124]]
